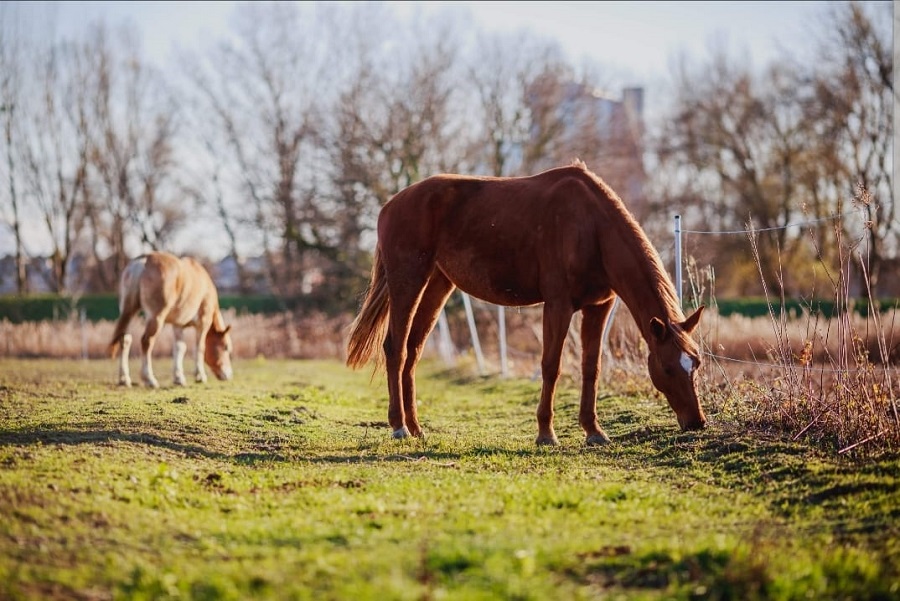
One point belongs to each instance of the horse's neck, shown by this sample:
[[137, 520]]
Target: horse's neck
[[212, 301], [218, 322], [634, 278]]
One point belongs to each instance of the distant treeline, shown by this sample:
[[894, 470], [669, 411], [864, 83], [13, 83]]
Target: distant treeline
[[99, 307]]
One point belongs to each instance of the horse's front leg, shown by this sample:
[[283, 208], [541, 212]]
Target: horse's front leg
[[154, 325], [592, 325], [200, 354], [179, 348], [124, 372], [557, 318]]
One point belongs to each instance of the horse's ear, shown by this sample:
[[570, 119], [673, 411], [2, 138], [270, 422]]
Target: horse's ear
[[226, 330], [658, 329], [690, 324]]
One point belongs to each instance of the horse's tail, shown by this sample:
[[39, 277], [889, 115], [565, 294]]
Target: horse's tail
[[369, 329], [129, 302]]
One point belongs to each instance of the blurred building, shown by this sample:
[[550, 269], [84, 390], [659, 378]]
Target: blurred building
[[604, 130]]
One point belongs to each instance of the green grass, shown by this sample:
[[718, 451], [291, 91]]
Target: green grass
[[285, 484]]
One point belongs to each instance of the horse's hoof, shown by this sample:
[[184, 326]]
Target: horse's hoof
[[549, 441], [400, 433], [125, 383], [596, 440]]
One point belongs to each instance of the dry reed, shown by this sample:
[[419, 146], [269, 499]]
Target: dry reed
[[832, 381]]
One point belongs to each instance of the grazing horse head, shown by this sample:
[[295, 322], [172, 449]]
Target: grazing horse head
[[218, 352], [673, 361]]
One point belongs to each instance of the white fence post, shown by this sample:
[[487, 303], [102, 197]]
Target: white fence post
[[445, 343], [501, 319], [470, 318], [604, 341], [678, 258]]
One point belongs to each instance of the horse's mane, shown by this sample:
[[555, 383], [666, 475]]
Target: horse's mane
[[654, 270]]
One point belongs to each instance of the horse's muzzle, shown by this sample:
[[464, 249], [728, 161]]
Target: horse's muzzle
[[691, 425]]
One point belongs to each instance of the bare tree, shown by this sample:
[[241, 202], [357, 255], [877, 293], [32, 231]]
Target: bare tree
[[792, 142], [516, 80], [855, 102], [11, 80], [135, 196], [265, 90], [56, 153], [398, 119], [746, 140]]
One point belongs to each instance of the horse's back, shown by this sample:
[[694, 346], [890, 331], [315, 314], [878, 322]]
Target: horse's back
[[509, 241], [522, 201], [179, 286], [160, 281]]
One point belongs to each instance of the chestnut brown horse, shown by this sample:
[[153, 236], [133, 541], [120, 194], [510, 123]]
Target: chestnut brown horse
[[180, 292], [562, 238]]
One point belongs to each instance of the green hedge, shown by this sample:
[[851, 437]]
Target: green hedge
[[759, 307], [42, 307], [98, 307]]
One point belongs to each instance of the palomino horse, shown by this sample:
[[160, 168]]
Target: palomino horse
[[179, 292], [562, 238]]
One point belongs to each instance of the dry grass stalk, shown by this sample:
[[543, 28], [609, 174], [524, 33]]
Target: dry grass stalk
[[276, 336], [828, 380]]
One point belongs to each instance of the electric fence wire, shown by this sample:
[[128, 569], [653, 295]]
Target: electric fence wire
[[801, 224]]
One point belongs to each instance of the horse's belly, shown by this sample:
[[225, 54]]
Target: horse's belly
[[510, 287], [183, 317]]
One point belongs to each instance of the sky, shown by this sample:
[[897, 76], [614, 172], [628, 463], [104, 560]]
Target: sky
[[636, 38], [640, 37], [635, 41]]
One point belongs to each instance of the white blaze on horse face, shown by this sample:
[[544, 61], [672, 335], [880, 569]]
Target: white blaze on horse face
[[687, 364]]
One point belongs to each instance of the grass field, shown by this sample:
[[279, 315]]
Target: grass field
[[285, 484]]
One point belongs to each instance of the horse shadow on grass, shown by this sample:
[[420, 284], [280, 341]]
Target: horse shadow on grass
[[792, 474], [719, 447], [28, 438], [729, 453], [102, 436]]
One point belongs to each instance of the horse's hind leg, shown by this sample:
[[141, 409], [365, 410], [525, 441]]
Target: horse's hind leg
[[592, 325], [406, 284], [121, 340], [433, 299]]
